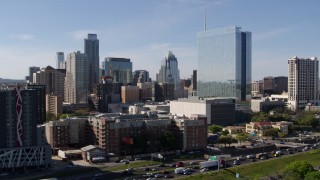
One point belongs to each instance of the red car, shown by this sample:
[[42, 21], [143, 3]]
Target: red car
[[179, 164]]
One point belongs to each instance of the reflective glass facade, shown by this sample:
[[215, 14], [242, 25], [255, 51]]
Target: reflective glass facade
[[119, 68], [224, 63]]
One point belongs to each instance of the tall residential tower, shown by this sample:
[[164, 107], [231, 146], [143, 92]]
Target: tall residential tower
[[303, 79], [224, 63], [91, 48], [76, 82]]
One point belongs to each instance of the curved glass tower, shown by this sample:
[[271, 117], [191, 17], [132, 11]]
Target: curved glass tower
[[224, 63]]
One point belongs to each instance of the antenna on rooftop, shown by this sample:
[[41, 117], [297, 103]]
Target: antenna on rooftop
[[205, 19]]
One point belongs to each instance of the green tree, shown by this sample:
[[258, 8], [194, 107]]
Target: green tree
[[301, 168], [50, 116], [312, 175], [215, 129], [63, 116], [227, 140], [307, 118], [82, 112], [273, 132], [282, 135], [242, 137], [225, 132], [259, 116], [168, 141]]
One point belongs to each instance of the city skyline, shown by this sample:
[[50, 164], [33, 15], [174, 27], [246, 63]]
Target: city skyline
[[144, 30]]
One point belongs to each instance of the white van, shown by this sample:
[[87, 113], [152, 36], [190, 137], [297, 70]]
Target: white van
[[179, 170]]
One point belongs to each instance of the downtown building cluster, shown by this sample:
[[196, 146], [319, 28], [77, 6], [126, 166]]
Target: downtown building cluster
[[132, 114], [78, 82]]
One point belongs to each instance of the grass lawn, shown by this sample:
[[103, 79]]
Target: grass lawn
[[260, 169]]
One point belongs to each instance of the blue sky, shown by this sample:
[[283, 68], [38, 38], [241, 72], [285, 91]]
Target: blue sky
[[33, 31]]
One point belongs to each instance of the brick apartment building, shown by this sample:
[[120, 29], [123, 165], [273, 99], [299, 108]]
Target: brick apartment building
[[129, 134]]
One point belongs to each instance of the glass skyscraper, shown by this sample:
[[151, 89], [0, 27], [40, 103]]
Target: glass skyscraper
[[91, 48], [60, 60], [169, 72], [118, 68], [224, 63]]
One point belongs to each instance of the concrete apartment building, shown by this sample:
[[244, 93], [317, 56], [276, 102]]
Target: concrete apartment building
[[217, 110], [76, 81], [303, 79], [54, 104], [256, 87], [52, 78], [66, 133]]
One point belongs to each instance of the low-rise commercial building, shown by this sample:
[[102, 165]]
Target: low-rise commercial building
[[259, 128], [219, 111], [234, 129]]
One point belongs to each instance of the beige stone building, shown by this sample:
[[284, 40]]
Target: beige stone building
[[54, 104], [130, 94]]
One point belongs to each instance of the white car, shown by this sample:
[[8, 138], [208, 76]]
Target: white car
[[204, 170], [98, 174], [124, 160], [251, 156]]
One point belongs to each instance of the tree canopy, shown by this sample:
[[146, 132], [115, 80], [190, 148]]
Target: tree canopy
[[312, 175], [215, 129], [50, 116], [273, 132], [225, 132], [168, 141], [301, 168], [242, 137], [227, 140]]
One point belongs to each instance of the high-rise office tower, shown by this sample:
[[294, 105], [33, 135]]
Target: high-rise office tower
[[32, 70], [140, 76], [169, 72], [52, 78], [275, 85], [303, 79], [91, 48], [224, 63], [60, 60], [281, 84], [22, 143], [76, 82], [194, 80], [118, 68], [41, 101]]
